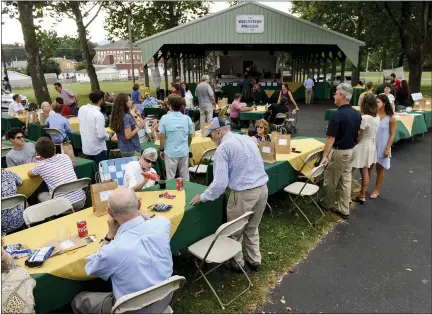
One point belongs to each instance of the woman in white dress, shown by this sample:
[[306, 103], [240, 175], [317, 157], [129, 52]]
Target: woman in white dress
[[365, 151]]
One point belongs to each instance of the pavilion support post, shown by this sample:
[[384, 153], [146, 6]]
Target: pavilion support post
[[165, 74], [174, 69], [318, 68], [325, 67], [343, 69], [146, 76], [296, 64], [183, 63], [299, 70], [333, 71], [292, 68], [188, 70], [179, 71]]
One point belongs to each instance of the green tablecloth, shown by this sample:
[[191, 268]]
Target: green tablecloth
[[428, 117], [251, 115], [35, 131], [199, 221], [85, 168], [108, 109], [8, 122], [356, 95], [419, 125], [321, 90], [76, 142], [151, 110], [280, 173]]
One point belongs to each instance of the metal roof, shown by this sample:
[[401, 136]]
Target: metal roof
[[279, 29], [119, 44]]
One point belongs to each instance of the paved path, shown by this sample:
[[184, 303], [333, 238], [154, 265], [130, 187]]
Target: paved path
[[380, 261]]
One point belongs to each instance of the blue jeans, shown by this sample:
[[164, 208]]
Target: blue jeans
[[74, 109], [103, 155]]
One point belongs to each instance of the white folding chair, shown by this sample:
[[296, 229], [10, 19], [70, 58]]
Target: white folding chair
[[292, 121], [201, 168], [283, 116], [301, 189], [138, 300], [51, 131], [42, 211], [219, 248], [4, 151], [80, 184], [12, 201]]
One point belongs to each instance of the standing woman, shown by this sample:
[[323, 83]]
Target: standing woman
[[285, 92], [369, 87], [384, 141], [124, 125], [365, 151], [136, 97], [217, 90], [403, 97]]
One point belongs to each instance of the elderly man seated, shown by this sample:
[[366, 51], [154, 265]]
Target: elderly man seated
[[135, 255], [150, 101], [22, 152], [57, 121], [140, 174]]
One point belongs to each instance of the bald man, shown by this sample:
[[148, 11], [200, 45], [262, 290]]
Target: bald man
[[135, 254]]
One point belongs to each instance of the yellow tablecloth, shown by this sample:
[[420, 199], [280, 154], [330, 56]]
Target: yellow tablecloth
[[269, 92], [71, 266], [306, 146], [198, 146], [21, 117], [29, 184], [407, 121], [74, 124], [260, 109]]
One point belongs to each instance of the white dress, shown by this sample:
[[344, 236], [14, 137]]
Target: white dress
[[365, 151]]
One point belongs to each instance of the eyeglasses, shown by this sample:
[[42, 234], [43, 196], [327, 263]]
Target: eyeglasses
[[19, 137], [148, 161], [260, 127]]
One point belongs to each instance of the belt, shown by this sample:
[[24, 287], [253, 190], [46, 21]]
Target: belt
[[339, 148], [250, 189]]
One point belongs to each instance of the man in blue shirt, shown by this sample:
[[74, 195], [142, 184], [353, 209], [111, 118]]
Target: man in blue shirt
[[175, 138], [150, 101], [57, 121], [135, 254], [239, 166], [308, 84]]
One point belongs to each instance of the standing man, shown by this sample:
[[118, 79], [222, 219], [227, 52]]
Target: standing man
[[206, 99], [16, 106], [69, 98], [308, 84], [92, 128], [176, 133], [135, 255], [395, 83], [342, 134], [239, 166]]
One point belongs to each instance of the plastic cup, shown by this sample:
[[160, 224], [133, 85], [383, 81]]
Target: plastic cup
[[162, 184]]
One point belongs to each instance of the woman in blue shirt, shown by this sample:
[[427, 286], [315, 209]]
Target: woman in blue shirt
[[136, 97], [124, 125]]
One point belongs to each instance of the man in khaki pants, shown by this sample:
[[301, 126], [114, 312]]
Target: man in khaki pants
[[308, 84], [238, 165], [342, 134]]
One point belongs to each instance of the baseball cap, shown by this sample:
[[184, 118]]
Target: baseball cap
[[216, 123]]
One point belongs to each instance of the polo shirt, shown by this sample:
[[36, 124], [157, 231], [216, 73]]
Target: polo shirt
[[344, 127], [177, 127]]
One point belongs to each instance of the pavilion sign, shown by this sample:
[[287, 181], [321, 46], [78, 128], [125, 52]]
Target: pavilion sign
[[250, 23]]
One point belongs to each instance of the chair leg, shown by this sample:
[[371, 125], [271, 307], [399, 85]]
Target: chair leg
[[210, 286], [304, 215]]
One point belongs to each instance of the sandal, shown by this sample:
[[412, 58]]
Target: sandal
[[359, 199], [374, 195]]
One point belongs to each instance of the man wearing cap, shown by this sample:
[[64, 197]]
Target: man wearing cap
[[239, 166], [206, 99]]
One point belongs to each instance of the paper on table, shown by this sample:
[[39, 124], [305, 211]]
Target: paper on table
[[274, 84], [234, 84], [67, 244], [104, 195], [266, 149], [283, 141]]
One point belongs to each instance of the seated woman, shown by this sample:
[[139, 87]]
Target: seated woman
[[262, 128], [11, 219], [66, 110], [238, 107], [138, 174], [55, 169], [45, 112], [274, 109]]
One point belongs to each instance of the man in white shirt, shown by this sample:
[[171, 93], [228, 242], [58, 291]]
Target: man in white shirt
[[308, 84], [92, 128], [15, 106], [138, 174]]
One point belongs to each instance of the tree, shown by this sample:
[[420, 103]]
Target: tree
[[78, 11], [13, 52], [48, 43], [149, 18], [48, 66], [80, 66], [26, 10]]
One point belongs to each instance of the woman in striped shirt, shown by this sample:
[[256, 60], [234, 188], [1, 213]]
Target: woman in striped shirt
[[56, 169]]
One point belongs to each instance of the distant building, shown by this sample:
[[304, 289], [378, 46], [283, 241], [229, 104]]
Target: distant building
[[19, 64], [104, 74], [17, 79], [66, 65], [82, 76]]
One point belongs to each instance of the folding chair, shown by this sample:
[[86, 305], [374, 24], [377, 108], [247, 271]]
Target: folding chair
[[138, 300], [113, 169], [80, 184], [201, 168], [292, 121], [219, 248], [301, 189], [12, 201], [283, 116], [50, 132], [42, 211]]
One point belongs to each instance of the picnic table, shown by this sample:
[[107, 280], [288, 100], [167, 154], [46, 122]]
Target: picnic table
[[62, 277], [8, 122], [36, 130], [284, 171], [257, 114]]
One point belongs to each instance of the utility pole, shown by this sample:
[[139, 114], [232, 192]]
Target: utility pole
[[131, 53], [4, 59]]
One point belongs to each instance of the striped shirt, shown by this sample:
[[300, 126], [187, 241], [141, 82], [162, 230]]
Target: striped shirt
[[58, 170], [237, 164]]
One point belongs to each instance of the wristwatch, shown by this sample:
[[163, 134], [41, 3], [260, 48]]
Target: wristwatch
[[107, 239]]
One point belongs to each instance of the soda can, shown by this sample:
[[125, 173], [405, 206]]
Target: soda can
[[82, 228], [38, 158], [179, 182]]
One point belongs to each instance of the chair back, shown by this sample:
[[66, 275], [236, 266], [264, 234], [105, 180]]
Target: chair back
[[313, 156], [294, 114], [114, 169], [12, 201], [281, 116], [208, 154], [42, 211], [317, 171], [51, 131], [4, 151], [233, 226], [79, 184], [137, 300]]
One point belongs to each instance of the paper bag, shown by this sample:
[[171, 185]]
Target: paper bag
[[267, 151], [204, 127], [67, 149], [99, 193], [42, 118], [283, 144], [222, 103], [31, 117]]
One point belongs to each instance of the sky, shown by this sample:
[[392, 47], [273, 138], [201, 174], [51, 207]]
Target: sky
[[11, 29]]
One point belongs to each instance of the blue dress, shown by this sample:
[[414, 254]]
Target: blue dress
[[382, 139]]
